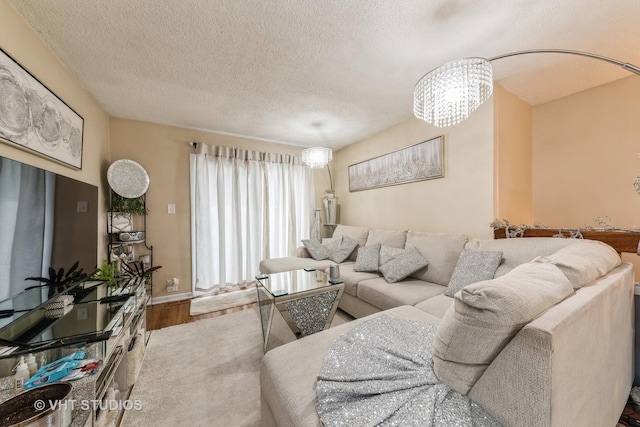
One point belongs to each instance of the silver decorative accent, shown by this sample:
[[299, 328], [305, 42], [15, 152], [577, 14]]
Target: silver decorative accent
[[128, 178], [381, 373], [604, 224], [310, 314]]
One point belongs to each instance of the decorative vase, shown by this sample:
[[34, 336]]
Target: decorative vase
[[330, 202], [316, 233]]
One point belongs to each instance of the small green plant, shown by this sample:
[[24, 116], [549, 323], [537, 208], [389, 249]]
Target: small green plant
[[131, 206], [109, 272]]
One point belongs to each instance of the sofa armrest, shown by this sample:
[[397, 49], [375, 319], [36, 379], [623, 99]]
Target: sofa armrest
[[302, 252], [571, 366]]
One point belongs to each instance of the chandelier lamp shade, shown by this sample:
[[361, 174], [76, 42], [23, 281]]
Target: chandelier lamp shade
[[317, 157], [447, 95]]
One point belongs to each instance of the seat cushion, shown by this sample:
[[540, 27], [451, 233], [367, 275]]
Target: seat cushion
[[486, 315], [379, 293], [288, 373], [436, 306], [351, 278]]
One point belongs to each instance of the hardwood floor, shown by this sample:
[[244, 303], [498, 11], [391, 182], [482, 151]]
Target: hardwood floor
[[177, 312]]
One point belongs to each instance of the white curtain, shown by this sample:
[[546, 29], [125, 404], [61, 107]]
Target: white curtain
[[245, 206], [26, 210]]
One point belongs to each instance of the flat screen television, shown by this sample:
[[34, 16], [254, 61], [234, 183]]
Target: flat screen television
[[46, 220]]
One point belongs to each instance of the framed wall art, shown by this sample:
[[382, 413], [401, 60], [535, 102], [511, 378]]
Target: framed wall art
[[418, 162], [35, 119]]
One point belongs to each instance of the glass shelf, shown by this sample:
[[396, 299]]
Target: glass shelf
[[97, 313]]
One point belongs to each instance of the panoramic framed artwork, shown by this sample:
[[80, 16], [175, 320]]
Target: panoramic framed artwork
[[35, 119], [418, 162]]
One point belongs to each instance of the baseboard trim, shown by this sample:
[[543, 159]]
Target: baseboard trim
[[171, 298]]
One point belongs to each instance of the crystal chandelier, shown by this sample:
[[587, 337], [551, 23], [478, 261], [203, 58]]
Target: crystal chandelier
[[317, 157], [448, 94]]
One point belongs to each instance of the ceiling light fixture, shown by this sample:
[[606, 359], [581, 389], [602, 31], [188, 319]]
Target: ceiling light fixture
[[447, 95], [317, 157]]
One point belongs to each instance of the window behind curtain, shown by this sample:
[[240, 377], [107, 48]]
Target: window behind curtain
[[245, 206]]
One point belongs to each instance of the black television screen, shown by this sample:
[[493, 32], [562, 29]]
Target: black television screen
[[46, 220]]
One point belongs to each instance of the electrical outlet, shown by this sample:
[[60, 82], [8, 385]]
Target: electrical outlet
[[83, 314], [172, 285]]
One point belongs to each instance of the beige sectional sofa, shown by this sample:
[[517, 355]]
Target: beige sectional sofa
[[569, 363]]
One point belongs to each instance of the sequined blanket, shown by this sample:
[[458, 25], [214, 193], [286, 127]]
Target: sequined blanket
[[380, 373]]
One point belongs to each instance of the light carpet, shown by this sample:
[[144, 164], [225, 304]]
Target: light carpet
[[206, 373], [222, 301]]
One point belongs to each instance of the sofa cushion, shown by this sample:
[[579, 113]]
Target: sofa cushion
[[368, 258], [403, 265], [343, 250], [394, 239], [436, 306], [331, 243], [441, 250], [473, 266], [520, 250], [351, 278], [316, 249], [387, 253], [358, 234], [384, 295], [584, 262], [486, 315]]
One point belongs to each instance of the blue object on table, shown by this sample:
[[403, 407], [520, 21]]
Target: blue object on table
[[55, 370]]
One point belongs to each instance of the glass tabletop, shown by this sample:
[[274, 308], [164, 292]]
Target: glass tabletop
[[292, 282]]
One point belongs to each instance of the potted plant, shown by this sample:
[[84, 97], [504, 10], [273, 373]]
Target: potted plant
[[125, 205], [135, 272], [58, 281], [109, 272]]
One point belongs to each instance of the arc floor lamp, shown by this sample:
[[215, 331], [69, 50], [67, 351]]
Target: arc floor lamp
[[316, 158], [447, 94]]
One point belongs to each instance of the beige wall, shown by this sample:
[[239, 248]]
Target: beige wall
[[585, 157], [21, 42], [164, 152], [461, 202], [512, 158]]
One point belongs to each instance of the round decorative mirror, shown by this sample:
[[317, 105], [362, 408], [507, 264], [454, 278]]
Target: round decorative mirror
[[128, 178]]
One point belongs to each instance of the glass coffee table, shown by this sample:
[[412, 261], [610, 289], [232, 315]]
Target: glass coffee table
[[306, 300]]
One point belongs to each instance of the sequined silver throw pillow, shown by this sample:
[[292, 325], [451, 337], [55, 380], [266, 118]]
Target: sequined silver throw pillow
[[473, 266], [343, 251], [403, 265], [368, 258], [316, 250]]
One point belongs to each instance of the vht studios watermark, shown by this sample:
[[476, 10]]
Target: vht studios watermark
[[85, 405]]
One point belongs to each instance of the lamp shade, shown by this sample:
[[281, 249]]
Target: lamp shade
[[317, 157], [448, 94]]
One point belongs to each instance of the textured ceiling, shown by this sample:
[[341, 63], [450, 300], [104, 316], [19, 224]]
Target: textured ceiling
[[319, 72]]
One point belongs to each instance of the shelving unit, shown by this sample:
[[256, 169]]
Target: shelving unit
[[125, 249]]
